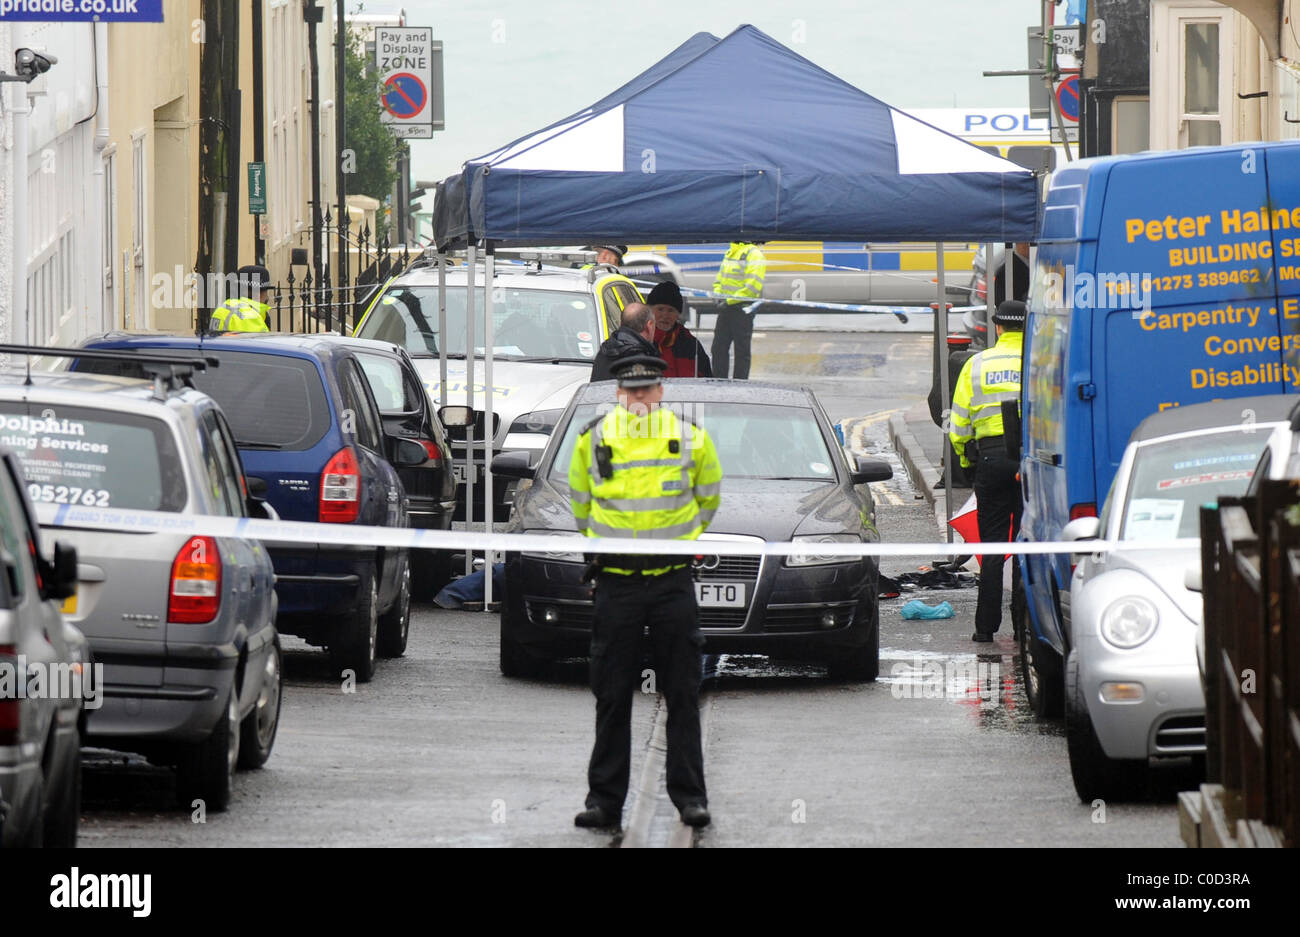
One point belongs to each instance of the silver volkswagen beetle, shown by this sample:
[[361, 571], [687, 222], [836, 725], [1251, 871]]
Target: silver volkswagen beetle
[[1132, 684]]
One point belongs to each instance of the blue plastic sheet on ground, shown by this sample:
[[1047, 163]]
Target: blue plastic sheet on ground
[[918, 609]]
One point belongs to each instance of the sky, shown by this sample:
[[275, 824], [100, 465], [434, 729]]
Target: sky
[[512, 66]]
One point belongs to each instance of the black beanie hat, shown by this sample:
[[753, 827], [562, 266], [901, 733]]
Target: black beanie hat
[[666, 294]]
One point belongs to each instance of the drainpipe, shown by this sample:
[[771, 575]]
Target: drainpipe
[[107, 317], [21, 112]]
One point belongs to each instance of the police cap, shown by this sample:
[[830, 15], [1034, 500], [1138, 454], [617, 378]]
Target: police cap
[[1011, 313], [255, 276], [639, 371], [618, 249]]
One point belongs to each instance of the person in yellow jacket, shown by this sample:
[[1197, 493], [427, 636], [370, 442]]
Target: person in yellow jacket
[[739, 283], [241, 314], [642, 472], [987, 381]]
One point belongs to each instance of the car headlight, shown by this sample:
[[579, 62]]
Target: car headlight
[[562, 557], [815, 559], [539, 421], [1129, 621]]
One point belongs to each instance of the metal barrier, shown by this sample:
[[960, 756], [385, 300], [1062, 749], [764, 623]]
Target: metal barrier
[[1250, 562], [305, 304]]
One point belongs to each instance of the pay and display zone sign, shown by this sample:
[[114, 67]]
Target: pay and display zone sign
[[81, 11], [404, 59]]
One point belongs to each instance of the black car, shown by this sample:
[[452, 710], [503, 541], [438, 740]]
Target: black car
[[307, 427], [785, 477], [431, 487]]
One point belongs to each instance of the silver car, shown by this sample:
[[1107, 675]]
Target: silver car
[[183, 625], [40, 747], [548, 323], [1132, 682]]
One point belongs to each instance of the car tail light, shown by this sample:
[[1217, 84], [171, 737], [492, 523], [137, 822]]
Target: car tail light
[[196, 583], [340, 489], [982, 289], [9, 714], [432, 450], [1087, 509]]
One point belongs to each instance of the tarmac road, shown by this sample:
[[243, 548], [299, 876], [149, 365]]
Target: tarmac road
[[441, 750]]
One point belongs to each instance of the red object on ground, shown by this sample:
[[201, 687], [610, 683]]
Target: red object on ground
[[966, 522]]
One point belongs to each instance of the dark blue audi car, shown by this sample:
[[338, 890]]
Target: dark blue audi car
[[309, 430]]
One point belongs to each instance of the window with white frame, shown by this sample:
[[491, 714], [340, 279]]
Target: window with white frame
[[139, 260], [109, 240], [1191, 74]]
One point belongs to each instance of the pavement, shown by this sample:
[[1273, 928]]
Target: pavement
[[920, 447]]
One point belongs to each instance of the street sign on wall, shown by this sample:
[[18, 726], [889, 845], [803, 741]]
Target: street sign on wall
[[257, 188], [409, 65], [81, 11]]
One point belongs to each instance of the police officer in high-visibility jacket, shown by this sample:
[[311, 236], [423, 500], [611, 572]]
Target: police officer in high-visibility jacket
[[240, 313], [988, 380], [640, 471], [739, 283]]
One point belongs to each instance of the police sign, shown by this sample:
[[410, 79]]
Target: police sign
[[409, 64]]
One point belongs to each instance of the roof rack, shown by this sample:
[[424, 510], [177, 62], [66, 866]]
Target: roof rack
[[168, 371]]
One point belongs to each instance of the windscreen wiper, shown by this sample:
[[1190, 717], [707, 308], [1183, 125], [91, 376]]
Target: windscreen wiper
[[553, 359], [268, 446]]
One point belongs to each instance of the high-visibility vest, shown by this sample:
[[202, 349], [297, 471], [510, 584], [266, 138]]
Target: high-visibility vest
[[986, 380], [740, 278], [665, 481], [240, 315]]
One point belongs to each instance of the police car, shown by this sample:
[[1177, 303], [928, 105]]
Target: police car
[[548, 322]]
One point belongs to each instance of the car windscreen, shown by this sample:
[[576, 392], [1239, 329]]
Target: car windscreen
[[526, 323], [95, 458], [1171, 480], [753, 440], [270, 401]]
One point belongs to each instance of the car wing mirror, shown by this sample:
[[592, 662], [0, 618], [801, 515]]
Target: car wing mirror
[[1192, 578], [512, 465], [406, 453], [457, 416], [1082, 528], [61, 575], [871, 470], [257, 487]]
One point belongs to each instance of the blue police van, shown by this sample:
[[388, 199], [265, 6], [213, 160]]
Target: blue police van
[[1161, 280]]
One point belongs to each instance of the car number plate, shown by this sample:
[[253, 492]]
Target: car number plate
[[69, 606], [461, 472], [720, 594]]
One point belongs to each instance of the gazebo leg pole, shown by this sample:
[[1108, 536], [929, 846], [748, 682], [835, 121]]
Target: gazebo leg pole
[[945, 390], [471, 269], [488, 341]]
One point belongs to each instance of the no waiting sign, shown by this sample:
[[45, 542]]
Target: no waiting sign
[[409, 64]]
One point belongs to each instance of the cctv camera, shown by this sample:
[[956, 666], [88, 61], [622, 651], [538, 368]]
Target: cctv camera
[[29, 63]]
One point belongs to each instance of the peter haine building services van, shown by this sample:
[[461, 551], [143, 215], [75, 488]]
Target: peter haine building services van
[[1162, 280]]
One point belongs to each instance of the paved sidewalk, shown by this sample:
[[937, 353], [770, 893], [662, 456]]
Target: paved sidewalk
[[919, 444]]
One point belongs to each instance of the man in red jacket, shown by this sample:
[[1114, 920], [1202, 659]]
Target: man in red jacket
[[677, 346]]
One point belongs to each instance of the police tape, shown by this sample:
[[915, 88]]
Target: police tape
[[901, 312], [73, 517]]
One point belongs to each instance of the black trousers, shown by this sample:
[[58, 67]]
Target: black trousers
[[997, 491], [625, 607], [734, 325]]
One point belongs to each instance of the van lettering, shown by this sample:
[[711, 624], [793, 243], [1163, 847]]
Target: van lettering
[[1169, 227]]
